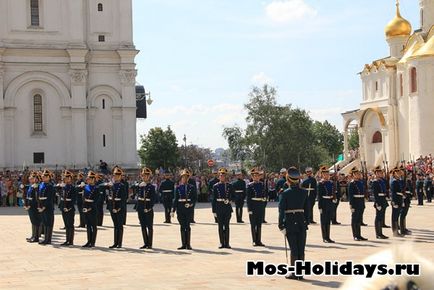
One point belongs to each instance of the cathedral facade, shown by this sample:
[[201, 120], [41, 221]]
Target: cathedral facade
[[67, 83], [395, 119]]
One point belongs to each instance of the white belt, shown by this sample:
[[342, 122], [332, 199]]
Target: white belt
[[184, 200], [400, 193], [239, 190], [309, 189], [381, 194], [221, 199], [30, 198], [408, 192], [42, 198], [258, 199], [141, 198], [168, 190], [327, 197], [294, 211], [359, 196], [68, 199], [118, 199], [88, 200]]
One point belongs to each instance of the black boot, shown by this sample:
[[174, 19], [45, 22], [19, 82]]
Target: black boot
[[395, 229], [354, 231], [150, 238], [32, 236], [44, 242], [328, 234], [89, 238], [359, 231], [401, 227], [188, 239], [120, 237], [183, 240], [93, 241], [406, 231], [71, 236], [67, 237], [227, 245], [221, 237], [253, 232], [145, 238], [115, 238], [36, 236], [258, 235], [292, 275]]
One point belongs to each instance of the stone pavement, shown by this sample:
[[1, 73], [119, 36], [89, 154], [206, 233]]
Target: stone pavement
[[24, 265]]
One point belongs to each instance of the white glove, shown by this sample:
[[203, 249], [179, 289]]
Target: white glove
[[35, 185], [110, 184], [353, 210], [320, 211], [62, 185], [142, 184], [215, 215], [379, 208], [250, 212], [21, 186], [82, 184], [172, 214], [283, 231]]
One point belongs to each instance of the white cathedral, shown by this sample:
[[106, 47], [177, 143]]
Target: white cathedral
[[67, 83], [395, 120]]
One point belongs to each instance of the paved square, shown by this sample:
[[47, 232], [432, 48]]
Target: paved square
[[25, 265]]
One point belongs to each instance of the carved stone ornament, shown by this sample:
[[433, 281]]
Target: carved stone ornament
[[78, 77], [128, 77]]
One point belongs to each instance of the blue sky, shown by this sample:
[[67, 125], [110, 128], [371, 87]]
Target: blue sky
[[200, 58]]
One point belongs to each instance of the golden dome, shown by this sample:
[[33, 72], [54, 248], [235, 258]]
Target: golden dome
[[398, 26]]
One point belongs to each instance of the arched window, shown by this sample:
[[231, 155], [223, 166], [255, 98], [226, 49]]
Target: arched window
[[413, 80], [103, 104], [37, 113], [377, 138], [103, 140], [376, 86], [34, 13], [100, 7]]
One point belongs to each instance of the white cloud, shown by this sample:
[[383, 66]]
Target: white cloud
[[261, 79], [282, 11]]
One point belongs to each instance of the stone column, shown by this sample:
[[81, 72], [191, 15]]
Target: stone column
[[9, 132], [362, 153], [128, 81], [2, 123], [346, 151], [385, 138], [90, 141], [78, 117]]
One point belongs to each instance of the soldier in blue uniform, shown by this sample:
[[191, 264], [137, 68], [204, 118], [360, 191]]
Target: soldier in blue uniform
[[281, 184], [326, 195], [419, 188], [90, 198], [115, 199], [397, 199], [80, 190], [256, 201], [356, 198], [145, 202], [124, 205], [46, 195], [292, 219], [223, 193], [337, 187], [408, 193], [310, 185], [211, 183], [68, 197], [183, 204], [167, 192], [428, 186], [239, 186], [31, 206], [379, 189], [101, 198]]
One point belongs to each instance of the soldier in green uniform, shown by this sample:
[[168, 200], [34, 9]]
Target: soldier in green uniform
[[46, 195], [239, 186], [292, 219], [222, 195], [167, 192], [183, 205], [145, 203], [116, 198], [68, 197]]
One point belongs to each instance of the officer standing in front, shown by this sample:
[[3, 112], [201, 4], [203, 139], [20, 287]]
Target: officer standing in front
[[145, 203], [239, 186], [292, 219], [167, 192], [408, 194], [222, 195], [183, 205], [397, 199], [68, 196], [310, 185], [90, 198], [356, 198], [380, 203], [116, 197], [31, 205], [325, 203], [256, 201], [46, 206]]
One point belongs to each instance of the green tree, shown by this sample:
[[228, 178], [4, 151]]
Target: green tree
[[353, 140], [159, 148], [329, 137], [197, 157]]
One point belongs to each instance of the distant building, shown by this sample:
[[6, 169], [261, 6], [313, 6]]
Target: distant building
[[67, 83]]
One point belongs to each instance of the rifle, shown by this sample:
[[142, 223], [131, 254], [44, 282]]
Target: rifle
[[365, 178]]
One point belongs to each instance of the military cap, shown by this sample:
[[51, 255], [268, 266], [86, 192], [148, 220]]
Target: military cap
[[401, 167], [395, 169], [223, 171], [283, 170], [293, 175], [308, 169], [146, 171], [67, 173], [185, 172], [46, 172], [254, 171], [324, 169], [80, 174], [35, 174], [354, 170], [91, 174], [378, 168], [117, 171], [238, 172]]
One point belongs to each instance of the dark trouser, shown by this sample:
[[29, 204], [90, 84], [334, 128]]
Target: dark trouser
[[91, 225], [379, 219], [420, 198], [167, 209], [185, 216], [383, 224], [325, 217], [256, 219], [68, 220], [48, 222], [396, 212], [334, 211], [223, 219], [356, 221], [213, 210], [147, 224], [239, 210], [403, 217], [100, 212], [429, 195], [35, 220], [297, 244], [81, 213], [118, 225], [311, 204]]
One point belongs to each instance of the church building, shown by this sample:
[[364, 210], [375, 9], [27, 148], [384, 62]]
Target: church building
[[395, 120], [67, 83]]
